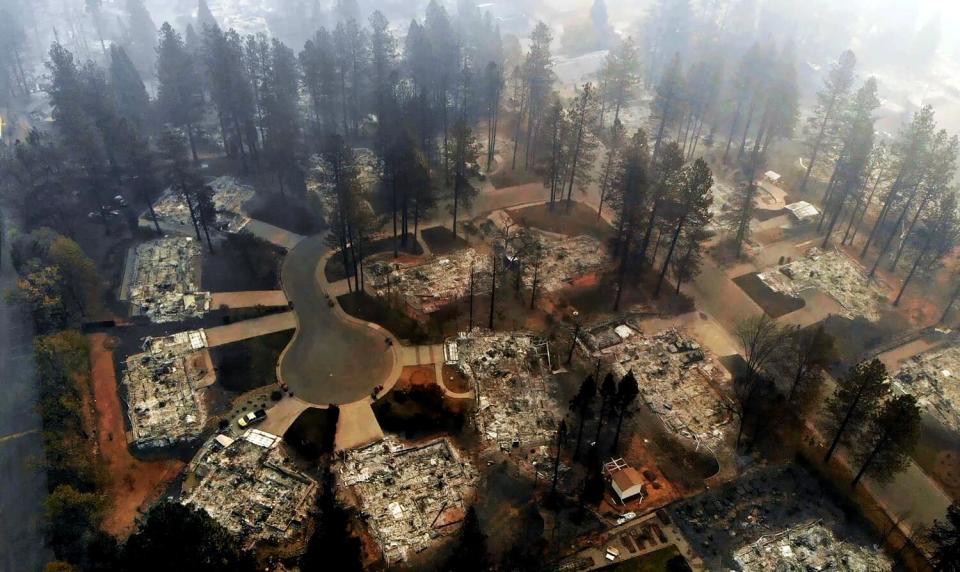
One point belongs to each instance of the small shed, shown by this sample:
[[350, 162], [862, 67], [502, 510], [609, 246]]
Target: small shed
[[802, 211], [772, 176], [627, 483]]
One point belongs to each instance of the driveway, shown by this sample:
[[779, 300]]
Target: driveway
[[331, 359]]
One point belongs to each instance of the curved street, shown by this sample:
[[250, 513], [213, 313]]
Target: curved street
[[332, 359]]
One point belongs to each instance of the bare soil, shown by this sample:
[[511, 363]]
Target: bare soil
[[133, 483]]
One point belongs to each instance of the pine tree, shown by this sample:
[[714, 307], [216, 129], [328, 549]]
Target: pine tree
[[889, 439], [693, 210], [133, 103], [830, 101], [854, 402], [143, 36], [179, 89], [471, 553], [581, 115], [667, 100], [464, 151], [281, 116], [944, 536], [205, 17]]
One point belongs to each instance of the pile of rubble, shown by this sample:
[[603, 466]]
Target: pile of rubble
[[762, 520], [423, 288], [673, 373], [163, 387], [164, 281], [251, 486], [564, 260], [930, 378], [509, 372], [410, 497], [809, 546], [834, 274], [229, 196]]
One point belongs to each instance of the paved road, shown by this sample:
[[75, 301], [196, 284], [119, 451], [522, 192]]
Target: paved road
[[330, 359], [22, 488]]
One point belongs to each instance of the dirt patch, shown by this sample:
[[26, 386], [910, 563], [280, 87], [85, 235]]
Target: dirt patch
[[579, 219], [132, 483], [440, 239], [455, 381], [416, 375], [775, 304]]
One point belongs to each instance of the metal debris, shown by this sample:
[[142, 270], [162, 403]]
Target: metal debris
[[674, 374], [932, 378], [423, 288], [165, 280], [809, 546], [409, 496], [834, 274], [229, 196], [509, 372], [163, 387], [251, 486]]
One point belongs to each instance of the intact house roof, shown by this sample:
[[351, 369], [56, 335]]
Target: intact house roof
[[627, 483]]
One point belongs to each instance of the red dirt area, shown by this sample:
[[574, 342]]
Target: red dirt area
[[455, 381], [132, 483], [413, 375], [658, 490]]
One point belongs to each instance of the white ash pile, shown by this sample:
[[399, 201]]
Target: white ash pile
[[411, 497], [810, 546], [252, 487], [165, 280], [934, 379], [510, 373], [832, 273], [163, 387], [675, 376], [423, 288]]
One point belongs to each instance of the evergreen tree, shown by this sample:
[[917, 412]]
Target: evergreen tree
[[736, 221], [666, 107], [692, 211], [854, 402], [537, 74], [581, 116], [944, 536], [143, 36], [621, 72], [320, 79], [179, 89], [830, 101], [133, 103], [281, 117], [465, 152], [889, 439], [205, 17]]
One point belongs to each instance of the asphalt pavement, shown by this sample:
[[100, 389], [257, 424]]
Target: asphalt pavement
[[22, 484], [330, 360]]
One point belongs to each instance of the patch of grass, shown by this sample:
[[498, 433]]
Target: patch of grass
[[313, 433], [580, 219], [440, 239], [775, 304], [365, 307], [334, 269]]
